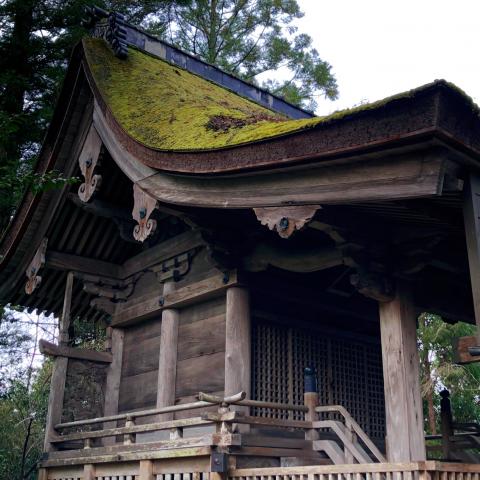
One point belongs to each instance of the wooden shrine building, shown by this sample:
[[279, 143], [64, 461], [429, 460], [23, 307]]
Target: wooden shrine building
[[259, 272]]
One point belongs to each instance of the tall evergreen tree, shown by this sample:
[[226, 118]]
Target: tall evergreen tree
[[36, 40], [257, 40]]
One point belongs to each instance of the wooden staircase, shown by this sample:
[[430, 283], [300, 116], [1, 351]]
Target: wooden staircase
[[351, 444]]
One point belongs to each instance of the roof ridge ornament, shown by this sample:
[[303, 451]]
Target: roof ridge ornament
[[110, 26]]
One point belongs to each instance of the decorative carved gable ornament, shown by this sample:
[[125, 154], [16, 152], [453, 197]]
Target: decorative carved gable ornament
[[143, 206], [36, 264], [285, 220], [110, 26], [88, 160]]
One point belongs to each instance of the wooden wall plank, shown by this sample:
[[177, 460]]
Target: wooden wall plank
[[141, 357], [138, 391], [202, 337], [204, 373], [200, 311]]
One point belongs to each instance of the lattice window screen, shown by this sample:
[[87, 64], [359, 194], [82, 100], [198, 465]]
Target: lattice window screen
[[349, 372]]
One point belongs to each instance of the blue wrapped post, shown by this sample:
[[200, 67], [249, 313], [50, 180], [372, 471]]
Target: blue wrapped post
[[310, 400]]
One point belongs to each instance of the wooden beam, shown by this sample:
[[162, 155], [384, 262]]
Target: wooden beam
[[163, 251], [238, 344], [471, 215], [306, 260], [48, 348], [403, 403], [461, 350], [154, 453], [150, 306], [167, 362], [75, 263], [405, 176]]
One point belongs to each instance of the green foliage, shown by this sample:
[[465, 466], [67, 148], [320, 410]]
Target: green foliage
[[439, 370], [24, 389], [14, 343], [85, 334], [23, 411], [255, 40], [36, 40]]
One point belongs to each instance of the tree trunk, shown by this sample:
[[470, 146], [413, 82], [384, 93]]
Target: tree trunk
[[16, 67], [212, 32]]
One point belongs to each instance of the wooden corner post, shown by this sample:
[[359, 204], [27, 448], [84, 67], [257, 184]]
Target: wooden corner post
[[167, 363], [471, 216], [403, 403], [59, 371], [114, 375], [238, 343]]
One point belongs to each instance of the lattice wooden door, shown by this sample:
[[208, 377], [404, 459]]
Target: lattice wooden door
[[349, 372]]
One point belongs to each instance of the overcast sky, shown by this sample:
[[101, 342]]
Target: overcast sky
[[381, 47]]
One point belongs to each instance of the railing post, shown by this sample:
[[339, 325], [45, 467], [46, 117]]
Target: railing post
[[42, 474], [146, 470], [88, 472], [224, 427], [446, 423], [176, 433], [129, 438], [310, 399]]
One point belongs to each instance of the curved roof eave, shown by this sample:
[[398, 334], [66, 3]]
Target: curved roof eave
[[271, 143]]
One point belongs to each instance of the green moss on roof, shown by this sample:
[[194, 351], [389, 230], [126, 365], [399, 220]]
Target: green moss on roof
[[167, 108]]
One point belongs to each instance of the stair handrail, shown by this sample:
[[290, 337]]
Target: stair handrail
[[351, 422]]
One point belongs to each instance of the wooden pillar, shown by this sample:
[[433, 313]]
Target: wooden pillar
[[238, 343], [403, 404], [59, 371], [114, 375], [471, 215], [167, 363]]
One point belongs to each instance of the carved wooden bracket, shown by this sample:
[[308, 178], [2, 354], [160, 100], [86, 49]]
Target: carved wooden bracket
[[374, 285], [143, 207], [88, 160], [174, 268], [36, 264], [285, 220]]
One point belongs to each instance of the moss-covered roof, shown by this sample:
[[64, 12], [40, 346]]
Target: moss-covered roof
[[167, 108]]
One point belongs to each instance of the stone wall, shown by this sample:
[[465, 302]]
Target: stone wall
[[84, 390]]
